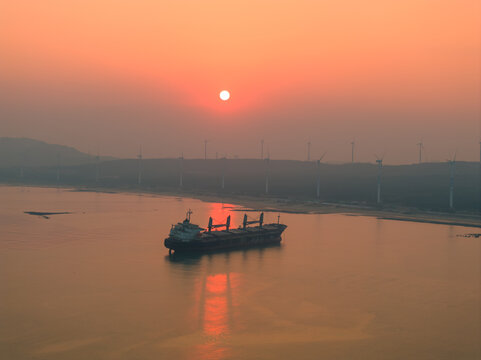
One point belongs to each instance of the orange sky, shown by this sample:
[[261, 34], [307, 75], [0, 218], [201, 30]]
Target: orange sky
[[386, 72]]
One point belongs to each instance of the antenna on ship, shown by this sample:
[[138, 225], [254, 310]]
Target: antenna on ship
[[139, 156]]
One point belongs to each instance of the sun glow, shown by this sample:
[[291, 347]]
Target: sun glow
[[224, 95]]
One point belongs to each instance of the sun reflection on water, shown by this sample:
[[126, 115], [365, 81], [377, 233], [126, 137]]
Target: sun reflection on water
[[217, 315]]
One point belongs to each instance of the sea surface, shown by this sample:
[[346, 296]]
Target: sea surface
[[99, 284]]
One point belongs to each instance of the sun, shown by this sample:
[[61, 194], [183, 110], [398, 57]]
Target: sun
[[224, 95]]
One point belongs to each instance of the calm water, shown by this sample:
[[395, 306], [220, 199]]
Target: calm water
[[98, 284]]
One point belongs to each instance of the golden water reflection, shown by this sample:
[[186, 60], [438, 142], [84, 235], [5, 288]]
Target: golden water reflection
[[217, 314]]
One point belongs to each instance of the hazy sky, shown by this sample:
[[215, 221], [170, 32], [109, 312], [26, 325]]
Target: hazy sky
[[111, 75]]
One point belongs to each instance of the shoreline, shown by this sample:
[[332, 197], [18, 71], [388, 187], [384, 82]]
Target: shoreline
[[268, 204]]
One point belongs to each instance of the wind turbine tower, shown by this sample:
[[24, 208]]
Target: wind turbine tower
[[309, 150], [452, 169], [139, 177], [222, 183], [97, 167], [58, 167], [379, 171], [267, 175], [205, 149], [318, 192], [181, 165], [262, 149], [353, 143], [421, 147]]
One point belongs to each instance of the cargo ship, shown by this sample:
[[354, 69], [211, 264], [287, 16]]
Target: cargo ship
[[188, 237]]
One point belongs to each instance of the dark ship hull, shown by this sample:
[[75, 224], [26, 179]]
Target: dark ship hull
[[268, 234]]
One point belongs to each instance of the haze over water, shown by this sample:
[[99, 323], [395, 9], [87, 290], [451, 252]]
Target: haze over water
[[107, 76], [98, 284]]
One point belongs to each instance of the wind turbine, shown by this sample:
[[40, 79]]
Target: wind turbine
[[24, 163], [222, 184], [181, 165], [309, 150], [267, 176], [205, 149], [97, 167], [353, 143], [318, 193], [421, 147], [139, 177], [262, 149], [58, 167], [452, 169], [379, 173]]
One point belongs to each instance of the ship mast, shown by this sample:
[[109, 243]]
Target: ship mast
[[187, 216]]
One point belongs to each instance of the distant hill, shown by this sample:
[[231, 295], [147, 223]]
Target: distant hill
[[24, 152]]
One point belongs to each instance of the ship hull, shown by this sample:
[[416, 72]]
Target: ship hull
[[233, 239]]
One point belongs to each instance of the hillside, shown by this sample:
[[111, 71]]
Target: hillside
[[24, 152], [423, 186]]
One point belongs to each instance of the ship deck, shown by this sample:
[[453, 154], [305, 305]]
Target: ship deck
[[242, 232]]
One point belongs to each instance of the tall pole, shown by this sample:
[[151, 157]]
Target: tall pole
[[308, 151], [205, 149], [262, 149]]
